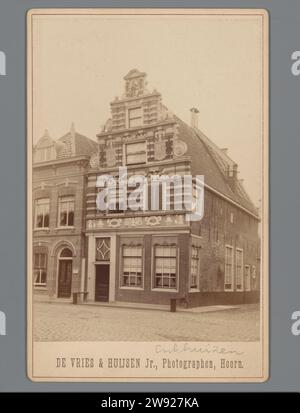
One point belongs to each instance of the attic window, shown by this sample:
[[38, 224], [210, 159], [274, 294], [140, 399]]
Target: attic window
[[135, 117]]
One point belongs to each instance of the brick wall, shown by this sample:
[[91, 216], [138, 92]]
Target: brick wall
[[53, 182], [148, 294], [224, 224]]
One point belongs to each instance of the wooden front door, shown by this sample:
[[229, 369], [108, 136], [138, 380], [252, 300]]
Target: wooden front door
[[64, 279], [102, 282]]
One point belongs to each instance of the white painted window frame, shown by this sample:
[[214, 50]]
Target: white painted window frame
[[242, 269], [232, 268], [158, 289], [128, 287]]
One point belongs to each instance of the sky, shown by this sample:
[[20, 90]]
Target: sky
[[213, 63]]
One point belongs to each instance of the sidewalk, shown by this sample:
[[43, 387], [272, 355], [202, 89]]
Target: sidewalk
[[137, 306], [157, 307]]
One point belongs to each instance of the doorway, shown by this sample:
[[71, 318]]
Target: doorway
[[64, 287], [102, 282]]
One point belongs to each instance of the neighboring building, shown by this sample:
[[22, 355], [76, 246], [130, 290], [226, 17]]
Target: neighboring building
[[59, 176], [152, 256]]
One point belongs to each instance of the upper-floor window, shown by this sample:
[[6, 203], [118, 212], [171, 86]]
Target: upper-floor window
[[42, 212], [135, 153], [135, 117], [66, 211]]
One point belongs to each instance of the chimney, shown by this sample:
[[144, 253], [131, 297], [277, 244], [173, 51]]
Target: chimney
[[225, 150], [46, 134], [233, 177], [194, 117], [72, 130], [235, 171]]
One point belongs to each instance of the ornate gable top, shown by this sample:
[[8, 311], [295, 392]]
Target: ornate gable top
[[45, 141], [133, 73], [135, 83]]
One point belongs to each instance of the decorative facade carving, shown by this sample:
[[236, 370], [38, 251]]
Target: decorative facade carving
[[135, 83], [94, 160], [180, 148], [111, 156], [160, 150], [134, 222]]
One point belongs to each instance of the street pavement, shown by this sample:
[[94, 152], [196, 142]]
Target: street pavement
[[68, 322]]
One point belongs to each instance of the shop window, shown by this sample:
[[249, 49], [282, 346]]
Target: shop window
[[165, 262], [132, 268]]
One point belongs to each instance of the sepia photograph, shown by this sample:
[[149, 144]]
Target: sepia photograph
[[147, 193]]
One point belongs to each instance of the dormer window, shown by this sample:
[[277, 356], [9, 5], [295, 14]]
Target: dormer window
[[135, 117], [45, 150], [43, 154], [135, 153]]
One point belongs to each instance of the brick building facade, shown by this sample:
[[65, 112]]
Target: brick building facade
[[59, 175], [146, 256]]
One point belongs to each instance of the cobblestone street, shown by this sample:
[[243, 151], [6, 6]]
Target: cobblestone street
[[66, 322]]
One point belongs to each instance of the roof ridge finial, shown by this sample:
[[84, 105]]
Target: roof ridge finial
[[46, 133]]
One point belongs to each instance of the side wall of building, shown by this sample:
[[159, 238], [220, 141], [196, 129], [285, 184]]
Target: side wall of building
[[226, 226]]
